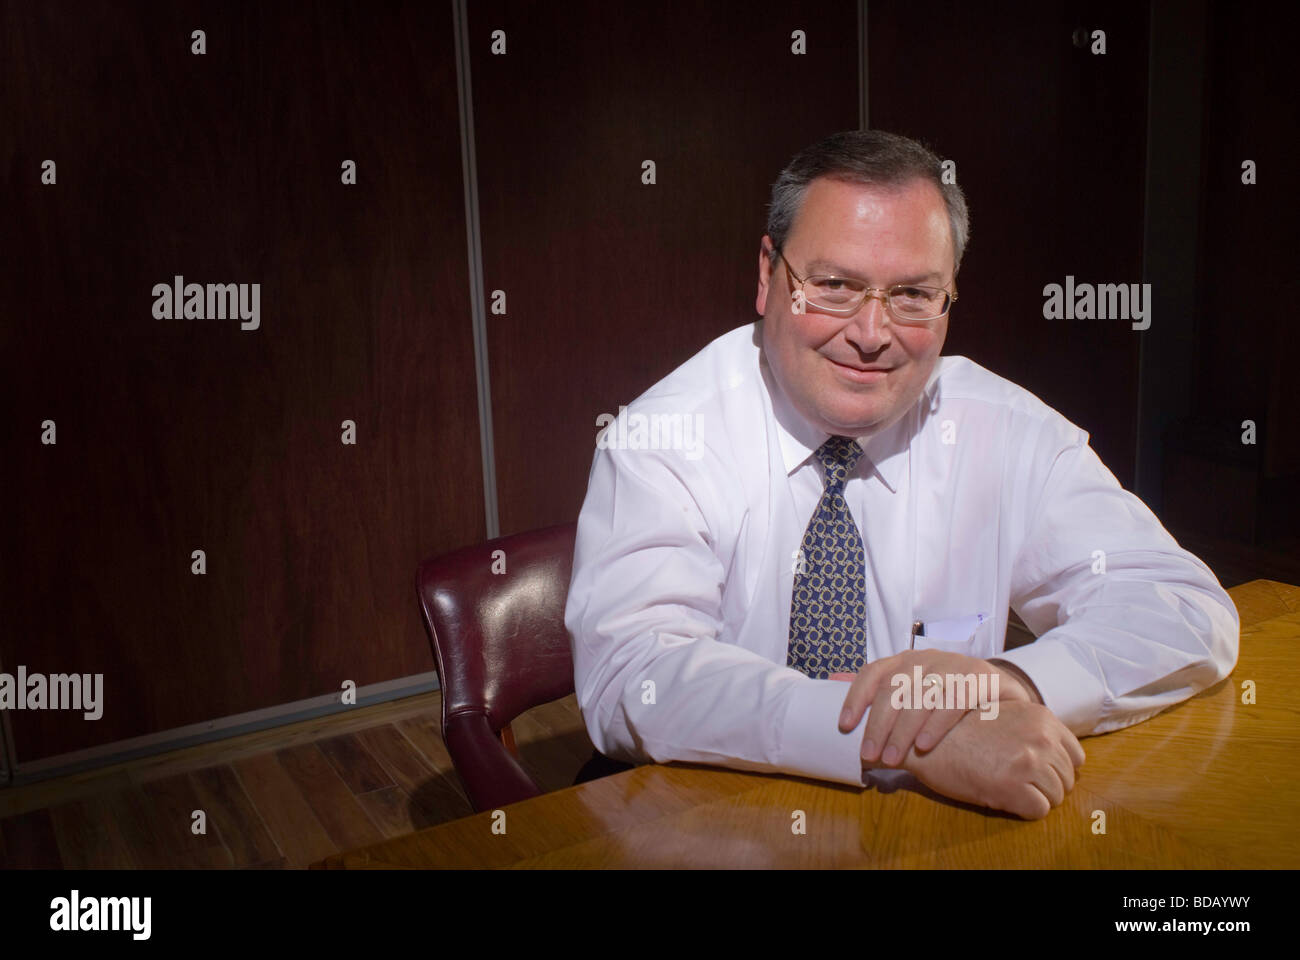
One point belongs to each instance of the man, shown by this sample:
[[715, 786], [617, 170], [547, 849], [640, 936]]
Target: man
[[748, 598]]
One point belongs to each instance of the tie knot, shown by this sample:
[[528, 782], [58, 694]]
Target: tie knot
[[838, 455]]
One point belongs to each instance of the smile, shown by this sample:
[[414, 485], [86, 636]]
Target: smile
[[858, 375]]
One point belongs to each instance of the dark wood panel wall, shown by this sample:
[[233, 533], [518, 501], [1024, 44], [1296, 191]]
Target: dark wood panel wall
[[184, 434], [1250, 242], [1214, 483]]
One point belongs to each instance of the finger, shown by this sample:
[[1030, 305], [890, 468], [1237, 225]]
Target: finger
[[903, 735], [1064, 767], [1031, 803], [880, 722], [1046, 779], [861, 692], [850, 677], [1073, 747], [936, 727]]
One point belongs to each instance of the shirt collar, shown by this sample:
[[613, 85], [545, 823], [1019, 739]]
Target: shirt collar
[[886, 451]]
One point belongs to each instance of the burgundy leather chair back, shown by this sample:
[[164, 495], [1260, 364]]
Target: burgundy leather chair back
[[500, 648]]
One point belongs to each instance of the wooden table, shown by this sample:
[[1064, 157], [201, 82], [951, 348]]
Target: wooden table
[[1210, 783]]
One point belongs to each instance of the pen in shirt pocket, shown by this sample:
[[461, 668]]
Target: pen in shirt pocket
[[949, 631]]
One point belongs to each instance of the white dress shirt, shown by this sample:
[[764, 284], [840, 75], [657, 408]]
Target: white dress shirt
[[980, 498]]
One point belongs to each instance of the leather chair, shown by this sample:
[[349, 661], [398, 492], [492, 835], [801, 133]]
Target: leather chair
[[500, 648]]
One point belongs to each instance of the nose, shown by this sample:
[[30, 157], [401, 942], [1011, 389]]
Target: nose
[[868, 329]]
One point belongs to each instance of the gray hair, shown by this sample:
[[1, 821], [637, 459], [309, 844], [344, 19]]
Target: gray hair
[[870, 157]]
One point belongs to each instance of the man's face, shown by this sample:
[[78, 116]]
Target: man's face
[[882, 236]]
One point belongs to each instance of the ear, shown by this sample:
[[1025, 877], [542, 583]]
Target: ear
[[764, 274]]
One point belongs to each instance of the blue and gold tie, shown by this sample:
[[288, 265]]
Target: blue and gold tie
[[828, 608]]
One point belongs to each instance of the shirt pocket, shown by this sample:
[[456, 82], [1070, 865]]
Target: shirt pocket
[[970, 635]]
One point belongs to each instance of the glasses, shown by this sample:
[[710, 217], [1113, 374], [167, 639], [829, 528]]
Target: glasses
[[908, 303]]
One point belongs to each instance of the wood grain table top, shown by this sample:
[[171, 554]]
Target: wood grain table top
[[1209, 783]]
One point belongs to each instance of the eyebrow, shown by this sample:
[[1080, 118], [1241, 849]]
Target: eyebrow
[[839, 270]]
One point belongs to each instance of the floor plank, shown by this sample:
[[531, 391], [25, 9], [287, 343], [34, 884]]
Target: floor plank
[[30, 843], [154, 841], [359, 770], [230, 811], [287, 814], [425, 734], [431, 790], [393, 811], [345, 821], [174, 801], [88, 836]]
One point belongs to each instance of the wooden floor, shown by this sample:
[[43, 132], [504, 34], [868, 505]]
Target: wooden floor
[[278, 798]]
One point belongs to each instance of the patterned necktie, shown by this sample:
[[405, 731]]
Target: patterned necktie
[[828, 608]]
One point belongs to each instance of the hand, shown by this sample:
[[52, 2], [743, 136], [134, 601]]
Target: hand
[[1023, 761], [892, 731]]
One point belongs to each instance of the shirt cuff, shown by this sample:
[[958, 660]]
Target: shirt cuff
[[1068, 690], [811, 742]]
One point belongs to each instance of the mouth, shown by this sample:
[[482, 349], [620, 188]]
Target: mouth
[[869, 374]]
